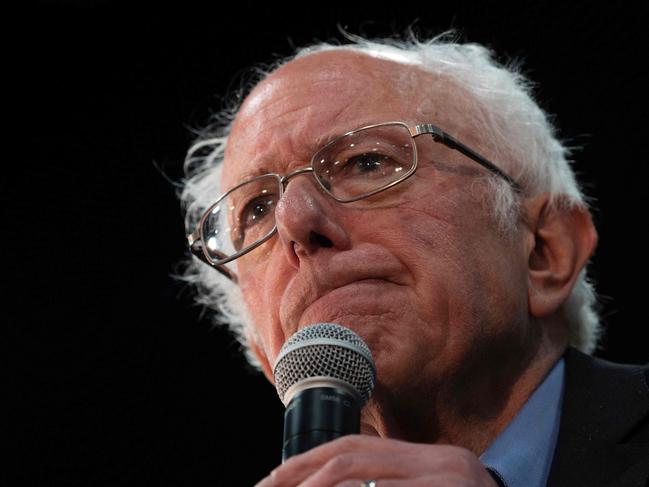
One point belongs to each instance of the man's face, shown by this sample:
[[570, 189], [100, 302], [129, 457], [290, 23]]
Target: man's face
[[421, 271]]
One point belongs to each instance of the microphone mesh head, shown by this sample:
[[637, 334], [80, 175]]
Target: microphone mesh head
[[325, 350]]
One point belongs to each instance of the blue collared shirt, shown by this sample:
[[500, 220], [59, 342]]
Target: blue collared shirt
[[522, 454]]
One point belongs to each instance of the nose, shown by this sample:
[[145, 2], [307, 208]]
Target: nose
[[307, 221]]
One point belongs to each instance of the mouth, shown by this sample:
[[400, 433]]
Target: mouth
[[345, 288], [348, 303]]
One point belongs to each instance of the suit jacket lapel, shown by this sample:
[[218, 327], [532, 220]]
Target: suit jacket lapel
[[604, 423]]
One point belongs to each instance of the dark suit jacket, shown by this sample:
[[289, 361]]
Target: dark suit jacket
[[604, 434]]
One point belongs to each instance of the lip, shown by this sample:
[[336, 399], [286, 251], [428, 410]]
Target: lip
[[323, 293], [338, 299]]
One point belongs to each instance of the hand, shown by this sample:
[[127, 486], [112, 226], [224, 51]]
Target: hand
[[350, 460]]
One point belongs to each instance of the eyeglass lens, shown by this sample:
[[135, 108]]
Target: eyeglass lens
[[364, 161], [351, 167]]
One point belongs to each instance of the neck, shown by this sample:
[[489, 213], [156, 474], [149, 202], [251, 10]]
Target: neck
[[469, 409]]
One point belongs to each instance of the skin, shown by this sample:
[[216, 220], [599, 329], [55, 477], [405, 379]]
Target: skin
[[452, 308]]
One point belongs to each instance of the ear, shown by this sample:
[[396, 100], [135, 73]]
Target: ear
[[561, 239], [260, 354]]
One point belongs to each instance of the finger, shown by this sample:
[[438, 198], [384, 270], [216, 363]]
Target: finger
[[361, 465], [351, 483], [446, 467], [428, 481], [298, 468], [422, 482], [357, 456]]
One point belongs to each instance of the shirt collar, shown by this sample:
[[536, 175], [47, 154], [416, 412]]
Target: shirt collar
[[522, 454]]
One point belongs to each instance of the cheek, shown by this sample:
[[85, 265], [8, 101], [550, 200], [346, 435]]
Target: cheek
[[262, 286], [469, 276]]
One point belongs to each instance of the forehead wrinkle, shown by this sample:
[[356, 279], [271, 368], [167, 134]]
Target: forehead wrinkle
[[299, 144], [268, 89], [268, 100], [326, 114], [302, 152], [264, 112]]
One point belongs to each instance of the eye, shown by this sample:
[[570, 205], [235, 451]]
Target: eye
[[366, 162], [253, 220], [257, 210], [371, 164]]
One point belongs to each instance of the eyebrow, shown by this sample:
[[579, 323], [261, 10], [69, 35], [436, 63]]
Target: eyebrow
[[324, 138], [268, 165], [253, 173]]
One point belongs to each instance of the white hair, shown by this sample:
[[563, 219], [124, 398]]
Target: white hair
[[523, 142]]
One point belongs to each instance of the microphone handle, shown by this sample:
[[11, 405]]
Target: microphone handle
[[318, 415]]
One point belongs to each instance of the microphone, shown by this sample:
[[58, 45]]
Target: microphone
[[324, 375]]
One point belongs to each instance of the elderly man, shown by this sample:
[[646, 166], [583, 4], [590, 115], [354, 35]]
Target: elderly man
[[416, 194]]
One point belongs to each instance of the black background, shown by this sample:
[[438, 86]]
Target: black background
[[114, 378]]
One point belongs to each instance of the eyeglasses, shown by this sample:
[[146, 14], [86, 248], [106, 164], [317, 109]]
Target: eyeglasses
[[354, 166]]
